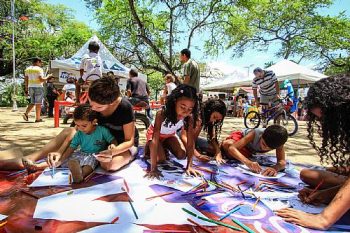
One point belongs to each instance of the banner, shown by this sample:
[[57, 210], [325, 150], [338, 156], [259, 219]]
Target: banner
[[64, 74]]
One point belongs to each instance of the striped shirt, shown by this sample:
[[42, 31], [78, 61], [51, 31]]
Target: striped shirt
[[266, 84], [34, 73]]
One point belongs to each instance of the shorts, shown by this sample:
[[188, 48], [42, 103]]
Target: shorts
[[85, 159], [266, 99], [36, 95], [162, 137], [236, 136], [202, 145]]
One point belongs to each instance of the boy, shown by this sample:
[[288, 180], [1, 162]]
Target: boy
[[241, 145], [90, 67]]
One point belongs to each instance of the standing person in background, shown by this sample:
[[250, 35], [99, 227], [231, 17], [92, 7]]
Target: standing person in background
[[191, 73], [90, 67], [138, 91], [269, 87], [51, 94], [169, 87], [33, 81]]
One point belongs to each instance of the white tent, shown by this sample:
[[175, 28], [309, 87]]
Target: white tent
[[297, 74], [71, 65], [225, 83]]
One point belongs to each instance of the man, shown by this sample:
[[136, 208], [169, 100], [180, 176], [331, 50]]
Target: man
[[191, 73], [90, 67], [269, 87], [138, 91], [33, 80]]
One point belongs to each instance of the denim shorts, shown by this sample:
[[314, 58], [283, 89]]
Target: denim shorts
[[36, 95]]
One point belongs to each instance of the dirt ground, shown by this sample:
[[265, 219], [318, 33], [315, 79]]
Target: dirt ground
[[30, 136]]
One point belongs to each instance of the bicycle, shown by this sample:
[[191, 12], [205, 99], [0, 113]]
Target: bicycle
[[278, 114]]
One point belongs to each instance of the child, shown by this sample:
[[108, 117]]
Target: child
[[169, 87], [213, 113], [241, 145], [91, 138], [180, 110]]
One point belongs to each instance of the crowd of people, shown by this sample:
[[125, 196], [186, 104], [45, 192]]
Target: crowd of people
[[105, 132]]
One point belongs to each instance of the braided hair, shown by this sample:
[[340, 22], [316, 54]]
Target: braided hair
[[332, 96], [181, 91], [208, 108]]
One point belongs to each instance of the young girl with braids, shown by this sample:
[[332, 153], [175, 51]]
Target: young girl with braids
[[180, 111], [328, 110], [212, 116]]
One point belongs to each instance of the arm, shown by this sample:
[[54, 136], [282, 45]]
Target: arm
[[186, 79], [280, 164], [277, 85], [233, 151], [334, 211], [129, 137], [190, 148], [255, 93], [154, 144]]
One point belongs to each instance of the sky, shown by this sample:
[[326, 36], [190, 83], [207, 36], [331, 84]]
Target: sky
[[250, 58]]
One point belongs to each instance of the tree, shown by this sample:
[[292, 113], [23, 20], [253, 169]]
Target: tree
[[43, 30], [297, 27], [149, 34]]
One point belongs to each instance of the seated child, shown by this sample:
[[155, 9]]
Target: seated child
[[91, 138], [180, 110], [241, 145]]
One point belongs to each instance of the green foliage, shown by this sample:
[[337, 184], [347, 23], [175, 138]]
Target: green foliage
[[156, 83], [7, 96], [50, 32]]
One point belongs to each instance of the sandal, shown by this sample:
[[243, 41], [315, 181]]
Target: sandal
[[41, 120], [25, 116]]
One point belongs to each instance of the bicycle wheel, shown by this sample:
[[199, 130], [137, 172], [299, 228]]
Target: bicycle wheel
[[287, 121], [252, 120], [141, 119]]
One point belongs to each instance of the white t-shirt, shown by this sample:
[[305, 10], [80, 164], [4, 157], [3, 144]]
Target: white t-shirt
[[69, 87], [92, 65], [170, 87], [34, 73]]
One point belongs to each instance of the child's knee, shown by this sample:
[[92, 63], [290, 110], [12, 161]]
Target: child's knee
[[181, 154], [305, 175]]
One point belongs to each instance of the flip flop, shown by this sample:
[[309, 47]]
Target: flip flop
[[41, 120], [25, 117]]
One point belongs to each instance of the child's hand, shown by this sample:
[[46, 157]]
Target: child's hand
[[154, 174], [219, 159], [53, 159], [105, 156], [254, 166], [111, 147], [203, 158], [270, 171], [318, 197], [190, 171]]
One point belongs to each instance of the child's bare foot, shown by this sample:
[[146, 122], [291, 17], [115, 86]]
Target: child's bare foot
[[75, 169], [33, 166]]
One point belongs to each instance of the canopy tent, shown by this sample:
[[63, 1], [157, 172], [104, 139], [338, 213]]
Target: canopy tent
[[225, 83], [285, 69], [297, 74], [71, 65]]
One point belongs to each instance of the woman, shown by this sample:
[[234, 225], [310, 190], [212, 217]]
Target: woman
[[116, 114], [328, 108]]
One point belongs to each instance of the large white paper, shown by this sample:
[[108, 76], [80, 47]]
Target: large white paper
[[273, 195], [246, 170], [81, 205], [295, 203], [60, 178], [125, 228], [3, 217]]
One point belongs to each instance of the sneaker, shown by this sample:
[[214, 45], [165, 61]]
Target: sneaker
[[25, 116], [75, 169]]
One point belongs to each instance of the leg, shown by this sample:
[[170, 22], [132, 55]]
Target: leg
[[29, 108], [76, 170], [175, 146], [87, 170], [60, 143], [314, 177], [51, 106], [37, 112], [118, 161]]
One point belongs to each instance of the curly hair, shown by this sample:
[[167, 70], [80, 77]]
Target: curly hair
[[84, 112], [181, 91], [332, 96], [208, 108]]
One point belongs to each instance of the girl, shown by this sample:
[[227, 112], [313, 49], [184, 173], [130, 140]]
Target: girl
[[212, 116], [328, 106], [181, 110], [91, 138]]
